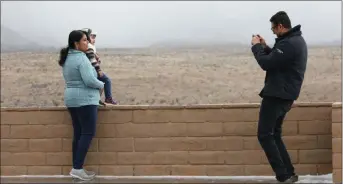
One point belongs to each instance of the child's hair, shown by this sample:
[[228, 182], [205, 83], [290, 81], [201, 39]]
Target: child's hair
[[88, 32]]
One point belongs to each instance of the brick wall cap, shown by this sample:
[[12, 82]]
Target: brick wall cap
[[337, 105], [199, 106]]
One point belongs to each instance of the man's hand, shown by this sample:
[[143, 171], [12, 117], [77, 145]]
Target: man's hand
[[262, 40], [255, 40]]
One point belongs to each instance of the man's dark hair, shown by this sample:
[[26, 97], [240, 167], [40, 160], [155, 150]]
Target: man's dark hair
[[281, 17]]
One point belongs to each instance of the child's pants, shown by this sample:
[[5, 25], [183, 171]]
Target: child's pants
[[107, 86]]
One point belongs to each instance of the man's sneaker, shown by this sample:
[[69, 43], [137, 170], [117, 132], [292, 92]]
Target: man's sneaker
[[80, 174], [291, 179], [110, 101]]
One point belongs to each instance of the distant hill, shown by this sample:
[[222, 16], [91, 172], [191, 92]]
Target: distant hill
[[12, 41]]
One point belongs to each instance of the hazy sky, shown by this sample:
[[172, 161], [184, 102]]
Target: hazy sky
[[129, 23]]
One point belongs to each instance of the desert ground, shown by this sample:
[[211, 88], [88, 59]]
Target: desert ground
[[167, 76]]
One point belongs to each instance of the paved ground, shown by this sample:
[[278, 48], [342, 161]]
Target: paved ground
[[128, 180], [163, 179]]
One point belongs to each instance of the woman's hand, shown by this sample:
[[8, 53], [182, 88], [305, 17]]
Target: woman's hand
[[100, 73]]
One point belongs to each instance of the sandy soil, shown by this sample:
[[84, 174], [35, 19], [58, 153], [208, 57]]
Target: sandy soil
[[211, 75]]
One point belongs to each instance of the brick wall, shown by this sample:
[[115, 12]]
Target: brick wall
[[337, 142], [169, 140]]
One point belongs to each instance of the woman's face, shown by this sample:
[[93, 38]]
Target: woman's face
[[82, 45]]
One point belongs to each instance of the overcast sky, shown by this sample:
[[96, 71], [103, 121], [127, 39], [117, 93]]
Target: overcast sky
[[128, 23]]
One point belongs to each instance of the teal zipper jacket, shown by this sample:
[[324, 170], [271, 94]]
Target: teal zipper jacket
[[81, 83]]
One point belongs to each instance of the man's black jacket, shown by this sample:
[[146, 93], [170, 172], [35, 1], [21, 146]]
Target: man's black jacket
[[285, 65]]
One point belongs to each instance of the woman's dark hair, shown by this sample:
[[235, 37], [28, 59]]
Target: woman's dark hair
[[281, 17], [74, 36]]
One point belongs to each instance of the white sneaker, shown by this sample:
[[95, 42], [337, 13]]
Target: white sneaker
[[89, 173], [80, 174]]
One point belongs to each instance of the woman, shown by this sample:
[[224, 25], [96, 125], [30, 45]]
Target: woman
[[81, 96]]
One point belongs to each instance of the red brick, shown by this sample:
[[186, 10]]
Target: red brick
[[59, 131], [46, 145], [324, 141], [101, 158], [337, 161], [337, 130], [204, 129], [50, 117], [66, 169], [188, 170], [115, 116], [240, 128], [168, 129], [337, 175], [151, 170], [5, 158], [324, 168], [33, 117], [28, 131], [133, 130], [133, 158], [13, 170], [152, 144], [157, 116], [337, 145], [5, 131], [14, 145], [59, 158], [309, 113], [314, 127], [67, 145], [187, 144], [41, 131], [306, 169], [223, 170], [44, 170], [240, 114], [116, 144], [18, 117], [116, 170], [106, 131], [171, 158], [206, 157], [251, 143], [258, 170], [323, 156], [249, 157], [290, 128], [230, 143], [337, 115], [25, 159], [301, 142]]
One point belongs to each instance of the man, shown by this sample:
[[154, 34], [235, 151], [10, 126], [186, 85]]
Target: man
[[285, 66], [95, 60]]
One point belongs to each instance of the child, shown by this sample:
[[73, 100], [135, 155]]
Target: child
[[95, 60]]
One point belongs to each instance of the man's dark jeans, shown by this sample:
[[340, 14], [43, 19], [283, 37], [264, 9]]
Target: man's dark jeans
[[84, 124], [272, 113]]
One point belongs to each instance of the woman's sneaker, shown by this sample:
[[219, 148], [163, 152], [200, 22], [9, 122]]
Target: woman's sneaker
[[90, 173], [81, 174]]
